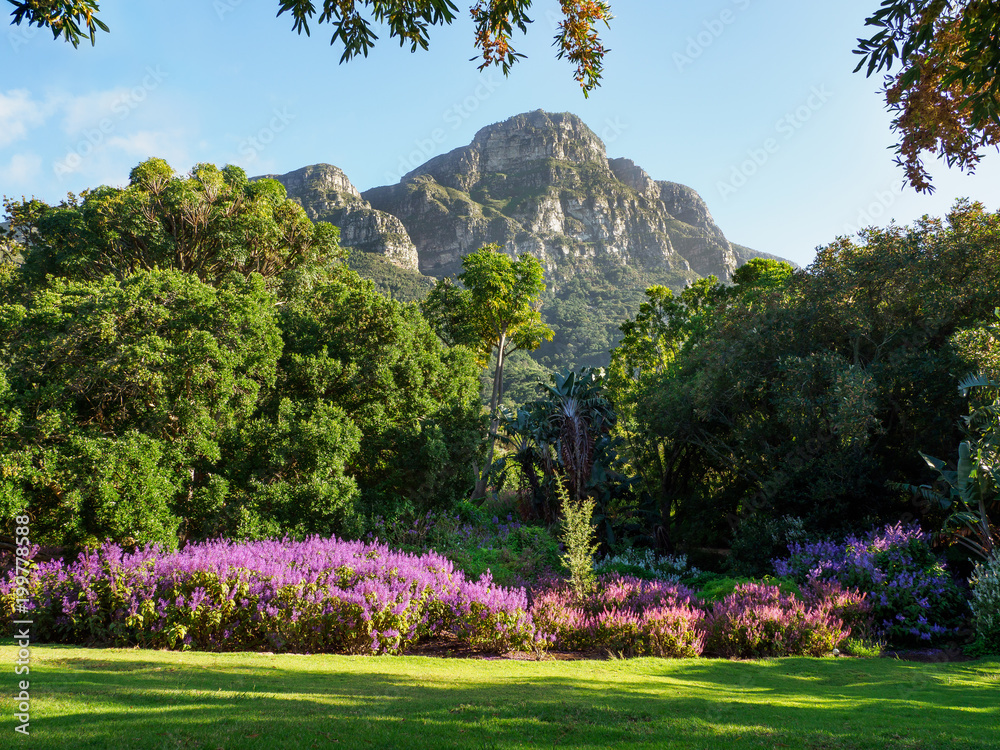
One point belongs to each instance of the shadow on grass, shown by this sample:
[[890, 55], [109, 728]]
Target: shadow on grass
[[244, 701]]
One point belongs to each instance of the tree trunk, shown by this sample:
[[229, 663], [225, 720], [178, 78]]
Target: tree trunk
[[480, 491]]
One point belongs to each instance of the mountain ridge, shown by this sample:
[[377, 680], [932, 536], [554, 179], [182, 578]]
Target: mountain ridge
[[539, 183]]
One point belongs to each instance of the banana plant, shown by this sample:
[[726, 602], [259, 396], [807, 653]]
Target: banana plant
[[524, 433], [567, 433], [972, 489]]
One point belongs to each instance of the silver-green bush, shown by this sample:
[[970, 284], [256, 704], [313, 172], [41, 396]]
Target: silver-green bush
[[986, 601]]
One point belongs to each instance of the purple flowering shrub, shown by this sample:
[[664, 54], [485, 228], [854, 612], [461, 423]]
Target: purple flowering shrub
[[317, 595], [912, 597], [622, 614], [758, 620]]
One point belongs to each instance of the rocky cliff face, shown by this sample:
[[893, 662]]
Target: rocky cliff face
[[541, 183], [538, 183], [327, 195]]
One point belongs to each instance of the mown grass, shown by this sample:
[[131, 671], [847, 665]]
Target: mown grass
[[112, 698]]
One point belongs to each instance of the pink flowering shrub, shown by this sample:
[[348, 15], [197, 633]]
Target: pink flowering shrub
[[318, 595], [624, 615], [758, 620], [850, 606]]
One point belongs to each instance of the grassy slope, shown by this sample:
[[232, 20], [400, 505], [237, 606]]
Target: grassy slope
[[89, 698]]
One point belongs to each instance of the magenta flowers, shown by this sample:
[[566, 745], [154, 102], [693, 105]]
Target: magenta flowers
[[318, 595]]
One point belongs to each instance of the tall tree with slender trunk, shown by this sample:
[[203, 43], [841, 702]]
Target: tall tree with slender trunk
[[496, 309]]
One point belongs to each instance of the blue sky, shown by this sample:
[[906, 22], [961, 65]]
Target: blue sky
[[751, 102]]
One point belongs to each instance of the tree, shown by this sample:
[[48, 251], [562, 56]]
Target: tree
[[209, 223], [496, 312], [414, 400], [566, 437], [116, 396], [807, 395], [409, 22], [946, 97], [155, 386]]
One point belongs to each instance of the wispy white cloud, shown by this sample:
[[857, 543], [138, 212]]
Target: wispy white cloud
[[144, 144], [22, 168], [20, 113], [84, 111], [108, 158]]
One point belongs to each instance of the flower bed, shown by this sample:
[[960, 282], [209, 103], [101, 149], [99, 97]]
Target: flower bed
[[327, 595], [623, 614], [319, 595], [912, 597], [758, 620]]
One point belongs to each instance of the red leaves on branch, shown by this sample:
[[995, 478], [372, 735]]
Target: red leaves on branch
[[577, 38]]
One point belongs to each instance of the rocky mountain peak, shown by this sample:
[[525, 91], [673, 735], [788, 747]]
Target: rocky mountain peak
[[541, 183], [515, 145], [319, 183], [538, 183], [326, 194]]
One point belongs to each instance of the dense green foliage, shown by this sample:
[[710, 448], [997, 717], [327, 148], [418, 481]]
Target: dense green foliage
[[971, 491], [801, 394], [210, 223], [186, 357], [115, 391]]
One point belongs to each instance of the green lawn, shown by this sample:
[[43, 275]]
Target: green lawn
[[110, 698]]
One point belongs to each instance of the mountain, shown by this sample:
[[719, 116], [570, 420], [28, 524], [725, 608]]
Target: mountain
[[327, 195], [538, 183], [542, 183], [744, 253]]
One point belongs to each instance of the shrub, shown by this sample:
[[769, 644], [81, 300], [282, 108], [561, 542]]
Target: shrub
[[863, 648], [646, 564], [319, 595], [758, 620], [986, 604], [513, 552], [579, 537], [621, 614], [912, 597], [760, 539]]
